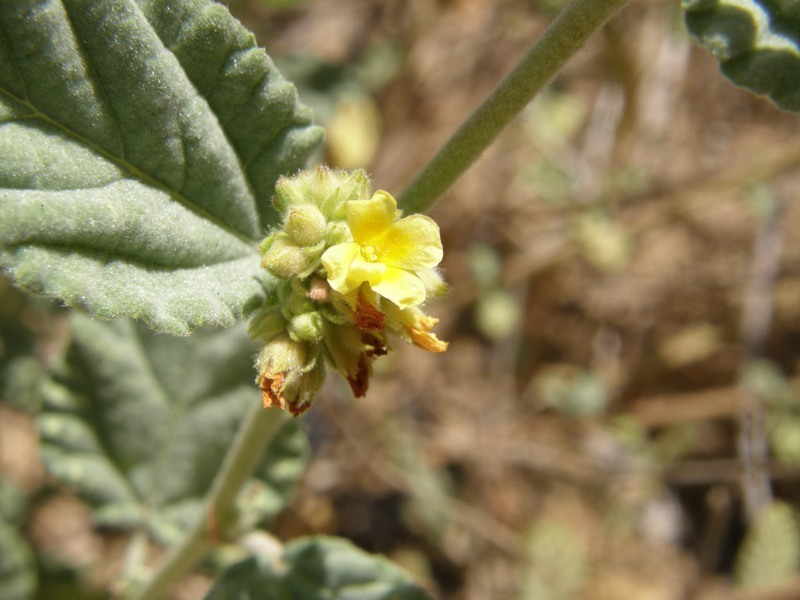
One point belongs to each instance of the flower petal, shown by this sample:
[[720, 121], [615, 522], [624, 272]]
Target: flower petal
[[369, 220], [337, 260], [401, 287], [427, 340], [412, 243], [361, 271]]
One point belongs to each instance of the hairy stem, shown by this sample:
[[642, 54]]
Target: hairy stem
[[255, 433], [565, 36]]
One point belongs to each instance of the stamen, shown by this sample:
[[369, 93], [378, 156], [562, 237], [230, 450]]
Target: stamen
[[368, 254]]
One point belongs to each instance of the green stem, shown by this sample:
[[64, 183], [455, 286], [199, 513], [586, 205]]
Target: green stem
[[255, 433], [565, 36]]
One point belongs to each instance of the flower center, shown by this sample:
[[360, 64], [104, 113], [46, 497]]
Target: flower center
[[368, 254]]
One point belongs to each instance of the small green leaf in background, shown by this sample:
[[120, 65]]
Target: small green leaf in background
[[141, 142], [770, 552], [498, 314], [757, 43], [572, 391], [315, 569], [17, 569], [29, 326], [784, 438], [557, 563], [17, 565], [138, 424], [603, 241], [766, 380], [497, 310]]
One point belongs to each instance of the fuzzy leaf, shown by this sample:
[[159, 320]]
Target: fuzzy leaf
[[756, 41], [314, 569], [140, 143], [139, 424]]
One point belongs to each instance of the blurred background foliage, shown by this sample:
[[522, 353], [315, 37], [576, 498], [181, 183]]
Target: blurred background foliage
[[618, 415]]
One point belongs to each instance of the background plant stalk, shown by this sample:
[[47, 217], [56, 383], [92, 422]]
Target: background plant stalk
[[565, 37], [219, 516]]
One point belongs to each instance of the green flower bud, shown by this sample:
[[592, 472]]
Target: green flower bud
[[327, 189], [337, 233], [343, 186], [305, 224], [288, 192], [281, 355], [283, 259], [306, 327]]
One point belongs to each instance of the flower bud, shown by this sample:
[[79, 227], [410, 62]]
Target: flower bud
[[284, 259], [319, 291], [301, 388], [306, 327], [305, 225], [337, 233], [289, 374], [327, 189], [281, 355]]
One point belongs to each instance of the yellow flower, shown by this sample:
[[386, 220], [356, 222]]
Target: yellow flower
[[386, 252]]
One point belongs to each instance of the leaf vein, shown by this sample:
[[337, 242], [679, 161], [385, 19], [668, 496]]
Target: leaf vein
[[14, 62], [95, 76], [132, 169], [130, 259]]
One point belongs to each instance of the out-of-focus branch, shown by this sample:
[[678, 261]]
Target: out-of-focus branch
[[756, 321]]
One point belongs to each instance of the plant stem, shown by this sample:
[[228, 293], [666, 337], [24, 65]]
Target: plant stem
[[565, 36], [255, 433]]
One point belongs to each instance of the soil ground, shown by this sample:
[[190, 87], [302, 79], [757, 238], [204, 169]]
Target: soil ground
[[619, 260]]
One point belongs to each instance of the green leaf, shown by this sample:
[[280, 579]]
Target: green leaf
[[139, 424], [770, 552], [141, 143], [756, 41], [316, 568], [557, 563], [17, 569], [24, 321]]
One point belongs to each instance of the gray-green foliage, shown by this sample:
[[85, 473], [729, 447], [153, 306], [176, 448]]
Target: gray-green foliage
[[756, 41], [17, 569], [770, 552], [138, 423], [314, 569], [17, 566], [140, 145]]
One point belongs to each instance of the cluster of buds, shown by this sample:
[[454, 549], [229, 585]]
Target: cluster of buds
[[350, 273]]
